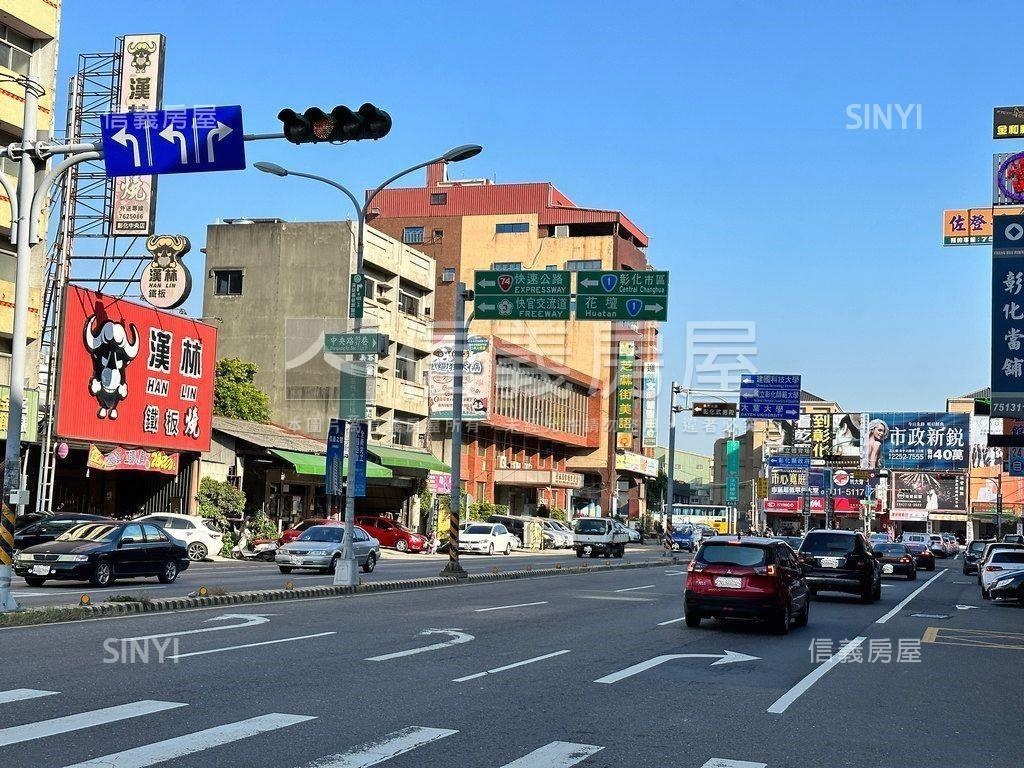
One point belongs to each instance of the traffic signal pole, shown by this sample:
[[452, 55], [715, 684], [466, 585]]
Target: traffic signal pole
[[453, 568], [666, 512]]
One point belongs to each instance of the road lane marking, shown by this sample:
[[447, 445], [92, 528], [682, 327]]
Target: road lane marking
[[21, 694], [675, 573], [930, 635], [624, 598], [458, 636], [974, 638], [798, 690], [169, 749], [19, 733], [248, 620], [634, 589], [557, 754], [930, 615], [671, 621], [903, 603], [376, 752], [510, 666], [177, 656], [729, 657], [719, 762], [503, 607]]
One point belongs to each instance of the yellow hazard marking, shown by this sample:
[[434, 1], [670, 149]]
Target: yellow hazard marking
[[975, 638]]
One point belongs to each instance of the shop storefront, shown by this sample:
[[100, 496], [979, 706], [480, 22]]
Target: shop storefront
[[525, 490]]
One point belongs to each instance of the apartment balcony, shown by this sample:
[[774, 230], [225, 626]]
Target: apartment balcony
[[398, 394]]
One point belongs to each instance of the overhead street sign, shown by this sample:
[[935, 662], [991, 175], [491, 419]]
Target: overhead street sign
[[356, 343], [789, 462], [522, 294], [715, 410], [173, 141], [770, 396], [623, 294]]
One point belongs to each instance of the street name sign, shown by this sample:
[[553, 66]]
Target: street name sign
[[190, 140], [623, 294], [522, 295], [715, 410], [356, 343], [770, 396], [789, 462]]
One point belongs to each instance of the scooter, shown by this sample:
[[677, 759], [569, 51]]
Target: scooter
[[261, 549]]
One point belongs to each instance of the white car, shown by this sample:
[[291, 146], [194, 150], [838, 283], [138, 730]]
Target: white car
[[561, 537], [1000, 563], [200, 535], [486, 538]]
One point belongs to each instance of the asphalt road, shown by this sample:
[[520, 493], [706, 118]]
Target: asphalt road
[[238, 576], [547, 672]]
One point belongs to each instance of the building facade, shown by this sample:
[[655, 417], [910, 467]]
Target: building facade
[[693, 475], [475, 225]]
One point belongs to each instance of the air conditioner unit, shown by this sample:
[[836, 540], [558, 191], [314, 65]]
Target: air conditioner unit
[[516, 465], [561, 230], [502, 461], [527, 465]]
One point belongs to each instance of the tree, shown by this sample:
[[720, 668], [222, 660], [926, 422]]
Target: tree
[[235, 393], [219, 500]]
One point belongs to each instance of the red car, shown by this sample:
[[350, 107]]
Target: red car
[[747, 578], [391, 534], [291, 534]]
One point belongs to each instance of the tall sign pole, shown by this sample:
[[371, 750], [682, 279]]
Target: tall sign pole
[[666, 512], [453, 568]]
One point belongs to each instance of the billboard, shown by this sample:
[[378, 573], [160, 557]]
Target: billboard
[[476, 379], [845, 435], [134, 375], [929, 491], [924, 441], [624, 415], [981, 454]]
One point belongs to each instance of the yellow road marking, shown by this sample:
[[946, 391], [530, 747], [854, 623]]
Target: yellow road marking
[[974, 638]]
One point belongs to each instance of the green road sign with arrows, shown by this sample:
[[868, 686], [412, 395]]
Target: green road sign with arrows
[[522, 295], [623, 294]]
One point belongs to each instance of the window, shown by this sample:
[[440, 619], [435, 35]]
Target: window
[[15, 50], [579, 264], [551, 267], [408, 303], [439, 198], [403, 432], [228, 282], [448, 275], [412, 235], [405, 364], [370, 287], [437, 235], [481, 491], [507, 266], [506, 229], [153, 533], [132, 535]]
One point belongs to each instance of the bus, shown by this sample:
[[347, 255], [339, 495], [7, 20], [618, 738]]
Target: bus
[[717, 517]]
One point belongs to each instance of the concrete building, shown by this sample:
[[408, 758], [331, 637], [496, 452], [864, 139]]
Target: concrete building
[[28, 46], [693, 475], [474, 225]]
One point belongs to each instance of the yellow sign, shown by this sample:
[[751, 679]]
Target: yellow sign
[[762, 487], [971, 226]]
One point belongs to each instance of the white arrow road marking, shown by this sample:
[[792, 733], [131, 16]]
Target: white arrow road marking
[[965, 607], [458, 636], [930, 615], [729, 657], [169, 749], [794, 693], [20, 694], [171, 134], [219, 133], [902, 604], [248, 620], [719, 762], [177, 656], [634, 589], [376, 752], [557, 754], [510, 666], [503, 607], [675, 573], [19, 733], [123, 138]]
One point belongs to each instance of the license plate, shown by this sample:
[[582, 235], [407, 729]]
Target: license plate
[[41, 570], [829, 562], [887, 569], [296, 560], [729, 582]]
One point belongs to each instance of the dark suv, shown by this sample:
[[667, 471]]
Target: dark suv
[[841, 561], [973, 553]]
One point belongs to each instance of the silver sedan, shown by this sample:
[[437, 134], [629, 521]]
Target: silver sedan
[[320, 546]]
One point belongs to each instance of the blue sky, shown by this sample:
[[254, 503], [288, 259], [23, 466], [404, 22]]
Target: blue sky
[[718, 127]]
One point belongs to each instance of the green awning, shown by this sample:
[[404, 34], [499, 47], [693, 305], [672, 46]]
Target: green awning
[[403, 458], [313, 464]]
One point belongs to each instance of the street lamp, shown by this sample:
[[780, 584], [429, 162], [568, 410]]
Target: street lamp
[[347, 570]]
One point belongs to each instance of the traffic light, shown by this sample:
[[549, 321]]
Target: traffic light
[[341, 124]]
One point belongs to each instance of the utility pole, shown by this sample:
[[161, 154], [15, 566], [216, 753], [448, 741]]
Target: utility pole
[[666, 511], [453, 567]]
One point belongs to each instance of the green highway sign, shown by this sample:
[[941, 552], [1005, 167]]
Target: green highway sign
[[622, 294], [356, 343], [522, 295], [356, 296]]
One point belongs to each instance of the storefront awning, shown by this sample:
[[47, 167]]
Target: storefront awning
[[403, 458], [313, 464]]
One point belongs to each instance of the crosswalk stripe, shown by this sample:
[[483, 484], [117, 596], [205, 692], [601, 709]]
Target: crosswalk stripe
[[557, 754], [18, 733], [20, 694], [376, 752], [169, 749]]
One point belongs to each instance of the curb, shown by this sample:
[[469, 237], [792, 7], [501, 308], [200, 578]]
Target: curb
[[271, 595]]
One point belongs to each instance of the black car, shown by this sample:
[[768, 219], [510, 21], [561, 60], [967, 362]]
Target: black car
[[923, 557], [1008, 588], [99, 552], [841, 561], [896, 560], [1013, 538], [46, 528], [972, 554]]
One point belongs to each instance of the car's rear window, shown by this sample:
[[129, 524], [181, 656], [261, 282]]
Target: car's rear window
[[732, 554], [479, 529], [827, 542], [977, 546], [1008, 557], [891, 549], [593, 526]]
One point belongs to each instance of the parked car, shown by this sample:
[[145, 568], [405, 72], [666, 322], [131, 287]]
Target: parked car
[[291, 534], [485, 538], [990, 548], [841, 561], [101, 551], [896, 560], [555, 537], [391, 534], [1013, 538], [1008, 588], [513, 524], [319, 548], [684, 537], [972, 554], [937, 545], [952, 545], [750, 578], [923, 557], [1000, 563], [48, 527], [595, 536], [200, 535], [566, 531], [635, 536], [879, 537]]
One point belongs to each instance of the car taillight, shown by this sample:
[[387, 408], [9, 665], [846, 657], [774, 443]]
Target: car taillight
[[991, 568], [765, 571], [695, 567], [904, 559]]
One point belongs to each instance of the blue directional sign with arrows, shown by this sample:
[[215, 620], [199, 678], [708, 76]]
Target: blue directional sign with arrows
[[189, 140]]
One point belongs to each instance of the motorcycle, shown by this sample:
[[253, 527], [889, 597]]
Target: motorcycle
[[259, 549]]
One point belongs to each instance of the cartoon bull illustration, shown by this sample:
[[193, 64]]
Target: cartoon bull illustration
[[111, 352], [140, 51]]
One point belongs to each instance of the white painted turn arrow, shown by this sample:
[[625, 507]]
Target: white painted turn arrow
[[220, 132], [729, 657], [965, 607], [248, 620], [457, 637]]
